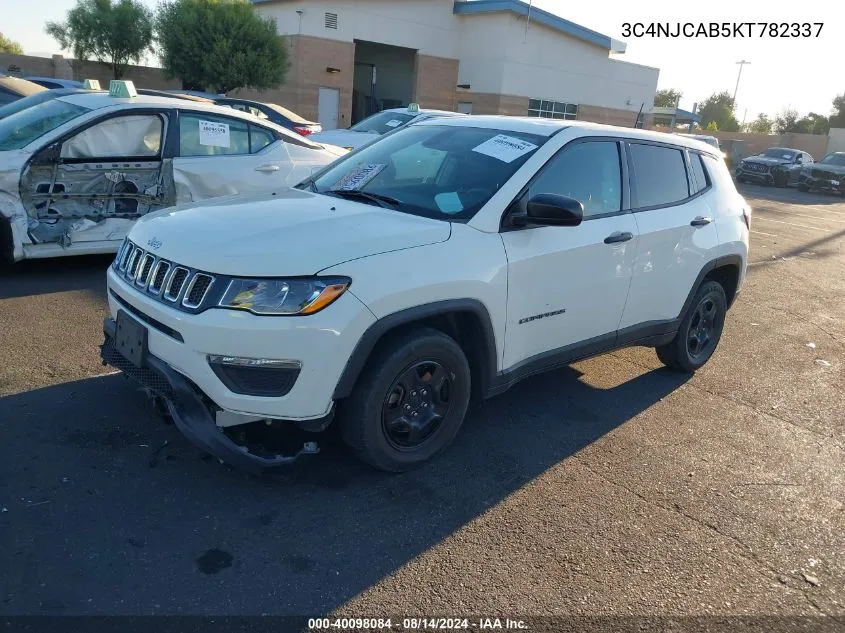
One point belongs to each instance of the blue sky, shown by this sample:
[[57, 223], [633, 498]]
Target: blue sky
[[802, 73]]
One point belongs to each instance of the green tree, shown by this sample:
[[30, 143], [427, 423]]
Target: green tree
[[813, 124], [837, 119], [10, 46], [114, 32], [786, 121], [718, 108], [220, 44], [667, 98], [761, 125], [712, 126]]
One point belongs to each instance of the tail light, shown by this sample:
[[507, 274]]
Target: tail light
[[305, 131]]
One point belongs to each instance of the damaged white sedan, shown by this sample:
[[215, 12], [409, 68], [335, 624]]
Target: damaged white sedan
[[77, 171]]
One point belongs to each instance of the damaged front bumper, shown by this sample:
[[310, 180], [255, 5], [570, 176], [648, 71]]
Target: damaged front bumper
[[190, 409]]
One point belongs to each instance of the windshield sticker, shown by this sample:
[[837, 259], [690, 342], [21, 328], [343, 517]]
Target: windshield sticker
[[214, 134], [449, 202], [787, 155], [505, 148], [359, 176], [393, 123]]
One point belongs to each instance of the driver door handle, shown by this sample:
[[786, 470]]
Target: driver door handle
[[701, 221], [617, 237], [267, 168]]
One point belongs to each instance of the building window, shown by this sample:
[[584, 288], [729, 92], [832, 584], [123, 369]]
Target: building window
[[331, 20], [552, 109]]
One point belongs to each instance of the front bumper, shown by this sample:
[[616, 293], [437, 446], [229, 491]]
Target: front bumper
[[190, 411], [822, 184], [765, 176]]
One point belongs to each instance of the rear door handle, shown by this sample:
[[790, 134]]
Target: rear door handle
[[701, 221], [615, 238], [267, 168]]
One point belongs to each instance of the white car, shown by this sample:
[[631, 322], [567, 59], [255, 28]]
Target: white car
[[77, 171], [378, 124], [448, 260]]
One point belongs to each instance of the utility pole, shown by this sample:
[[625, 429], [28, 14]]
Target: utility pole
[[741, 64]]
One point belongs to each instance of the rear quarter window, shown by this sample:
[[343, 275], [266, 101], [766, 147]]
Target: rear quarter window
[[661, 175], [699, 175]]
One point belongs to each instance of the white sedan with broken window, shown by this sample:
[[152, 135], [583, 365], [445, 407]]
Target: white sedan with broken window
[[77, 171]]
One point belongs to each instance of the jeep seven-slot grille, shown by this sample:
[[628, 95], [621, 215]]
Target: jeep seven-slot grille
[[168, 282]]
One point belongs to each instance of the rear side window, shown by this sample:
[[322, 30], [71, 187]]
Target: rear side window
[[661, 175], [700, 177], [213, 135]]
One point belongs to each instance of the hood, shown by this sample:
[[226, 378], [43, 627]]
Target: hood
[[284, 233], [833, 169], [766, 160], [344, 138]]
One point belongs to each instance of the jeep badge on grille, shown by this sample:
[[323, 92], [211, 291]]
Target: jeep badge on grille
[[154, 243]]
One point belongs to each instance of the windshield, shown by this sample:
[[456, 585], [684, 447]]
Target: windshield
[[834, 159], [28, 102], [20, 129], [778, 152], [383, 122], [436, 171]]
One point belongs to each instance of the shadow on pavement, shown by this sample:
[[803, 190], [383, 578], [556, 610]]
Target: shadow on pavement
[[63, 274], [117, 514]]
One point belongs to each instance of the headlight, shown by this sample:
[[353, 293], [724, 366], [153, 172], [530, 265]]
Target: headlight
[[283, 297]]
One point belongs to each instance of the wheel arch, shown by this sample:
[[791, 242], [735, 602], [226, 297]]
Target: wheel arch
[[466, 320], [726, 270]]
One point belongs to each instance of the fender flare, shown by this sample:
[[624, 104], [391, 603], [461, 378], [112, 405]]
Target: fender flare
[[367, 343]]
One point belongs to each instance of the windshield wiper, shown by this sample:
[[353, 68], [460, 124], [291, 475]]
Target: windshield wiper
[[385, 202]]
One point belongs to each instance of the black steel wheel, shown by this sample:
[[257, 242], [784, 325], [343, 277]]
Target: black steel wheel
[[409, 401], [699, 332], [416, 404]]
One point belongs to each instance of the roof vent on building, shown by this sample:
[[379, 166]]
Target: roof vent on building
[[331, 20]]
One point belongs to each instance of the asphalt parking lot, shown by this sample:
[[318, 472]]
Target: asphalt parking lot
[[611, 487]]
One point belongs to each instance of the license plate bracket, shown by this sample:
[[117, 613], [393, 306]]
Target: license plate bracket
[[130, 339]]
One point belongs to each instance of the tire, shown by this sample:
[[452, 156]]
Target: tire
[[781, 182], [680, 353], [803, 188], [401, 380]]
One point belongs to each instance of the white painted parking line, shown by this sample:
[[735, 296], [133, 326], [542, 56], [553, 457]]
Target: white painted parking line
[[761, 233], [802, 215], [760, 218]]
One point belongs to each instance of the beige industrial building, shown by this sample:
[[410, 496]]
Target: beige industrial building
[[349, 58]]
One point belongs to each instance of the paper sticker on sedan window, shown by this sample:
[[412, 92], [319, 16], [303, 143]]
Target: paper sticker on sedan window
[[787, 155], [505, 148], [359, 176], [214, 134], [393, 123]]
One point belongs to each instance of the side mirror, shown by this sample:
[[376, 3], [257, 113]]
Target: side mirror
[[551, 209]]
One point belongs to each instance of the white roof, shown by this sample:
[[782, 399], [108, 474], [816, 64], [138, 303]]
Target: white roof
[[547, 127], [98, 100]]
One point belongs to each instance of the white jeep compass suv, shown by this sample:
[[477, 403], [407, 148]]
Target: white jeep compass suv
[[448, 260]]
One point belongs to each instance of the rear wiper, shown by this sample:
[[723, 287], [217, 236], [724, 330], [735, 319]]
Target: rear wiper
[[385, 202]]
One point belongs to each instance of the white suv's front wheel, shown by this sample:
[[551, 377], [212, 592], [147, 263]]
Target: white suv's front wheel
[[409, 402]]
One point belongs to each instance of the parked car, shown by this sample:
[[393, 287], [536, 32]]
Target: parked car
[[705, 138], [172, 95], [14, 88], [78, 170], [51, 83], [439, 262], [383, 122], [826, 175], [274, 112], [778, 166]]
